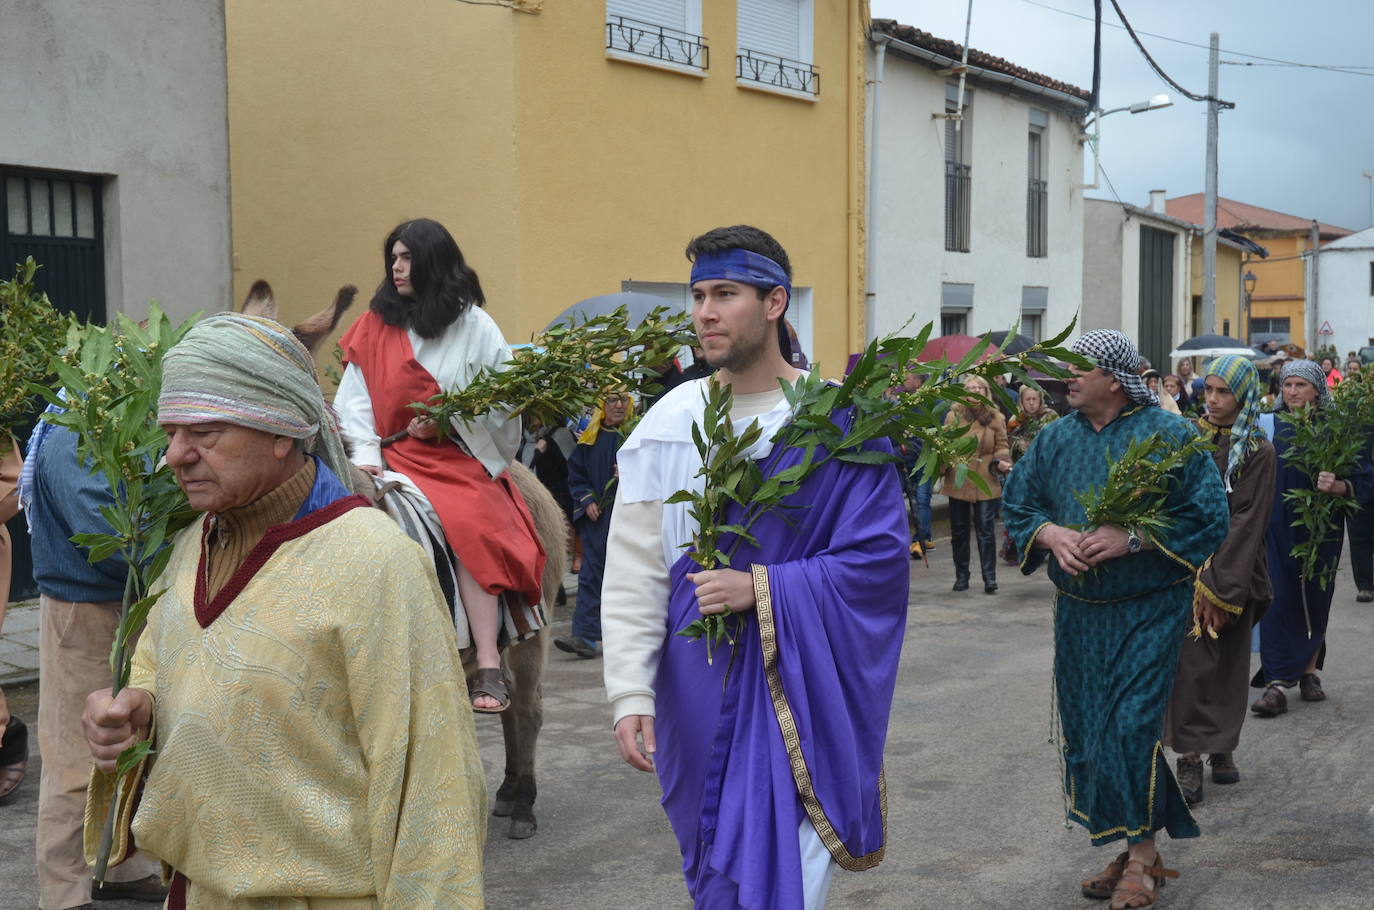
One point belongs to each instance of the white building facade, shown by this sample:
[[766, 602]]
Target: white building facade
[[1344, 292], [976, 210], [1136, 266], [114, 157]]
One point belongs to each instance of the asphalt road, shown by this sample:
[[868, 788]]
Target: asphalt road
[[975, 811]]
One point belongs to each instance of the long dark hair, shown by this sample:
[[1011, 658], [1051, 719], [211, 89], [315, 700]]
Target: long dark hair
[[444, 285]]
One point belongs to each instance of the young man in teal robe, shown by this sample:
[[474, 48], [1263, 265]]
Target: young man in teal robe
[[1122, 606]]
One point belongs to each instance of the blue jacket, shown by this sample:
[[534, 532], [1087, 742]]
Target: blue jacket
[[66, 501]]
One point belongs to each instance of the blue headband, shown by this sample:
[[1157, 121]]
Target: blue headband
[[742, 266]]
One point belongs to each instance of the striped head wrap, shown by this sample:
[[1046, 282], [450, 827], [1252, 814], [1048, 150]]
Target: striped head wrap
[[1114, 352], [1240, 376], [1309, 371], [250, 372]]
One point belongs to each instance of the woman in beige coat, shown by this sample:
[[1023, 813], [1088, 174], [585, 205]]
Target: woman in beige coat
[[969, 505]]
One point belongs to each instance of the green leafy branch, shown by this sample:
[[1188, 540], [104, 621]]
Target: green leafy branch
[[1138, 484], [1334, 439], [31, 330], [112, 377], [568, 369], [733, 480]]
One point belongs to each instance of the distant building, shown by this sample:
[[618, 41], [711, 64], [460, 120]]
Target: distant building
[[114, 162], [1142, 273], [1344, 292], [977, 211], [573, 148], [1278, 307], [114, 157]]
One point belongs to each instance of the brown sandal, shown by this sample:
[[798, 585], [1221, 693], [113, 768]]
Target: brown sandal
[[14, 756], [492, 684], [1100, 886], [1131, 893]]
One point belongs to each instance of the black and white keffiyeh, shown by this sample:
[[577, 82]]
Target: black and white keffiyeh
[[1114, 352]]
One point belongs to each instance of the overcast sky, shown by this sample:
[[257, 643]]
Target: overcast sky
[[1298, 139]]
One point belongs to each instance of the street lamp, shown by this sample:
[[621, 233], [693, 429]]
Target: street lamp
[[1250, 280], [1153, 103]]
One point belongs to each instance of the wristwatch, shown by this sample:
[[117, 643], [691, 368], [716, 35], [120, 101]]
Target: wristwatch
[[1133, 541]]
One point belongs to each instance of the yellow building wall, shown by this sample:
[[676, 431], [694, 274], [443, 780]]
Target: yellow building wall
[[1229, 293], [560, 172], [344, 122], [1280, 290]]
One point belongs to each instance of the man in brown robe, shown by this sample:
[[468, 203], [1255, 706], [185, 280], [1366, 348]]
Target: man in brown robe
[[1232, 590]]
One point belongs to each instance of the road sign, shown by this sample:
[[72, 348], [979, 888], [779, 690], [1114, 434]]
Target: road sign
[[1325, 329]]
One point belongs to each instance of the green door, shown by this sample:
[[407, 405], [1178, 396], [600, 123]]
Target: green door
[[1156, 296], [55, 218]]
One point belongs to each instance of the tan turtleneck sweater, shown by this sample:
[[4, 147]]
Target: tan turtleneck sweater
[[234, 533]]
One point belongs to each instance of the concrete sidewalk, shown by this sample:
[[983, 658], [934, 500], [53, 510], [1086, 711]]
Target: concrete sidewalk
[[19, 644]]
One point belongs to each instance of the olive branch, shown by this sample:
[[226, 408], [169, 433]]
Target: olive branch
[[111, 377], [31, 330], [1335, 440], [568, 369], [735, 482], [1138, 484]]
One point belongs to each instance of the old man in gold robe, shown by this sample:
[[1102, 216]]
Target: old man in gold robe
[[315, 744]]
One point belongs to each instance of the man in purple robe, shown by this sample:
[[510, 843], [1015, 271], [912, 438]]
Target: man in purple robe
[[770, 758]]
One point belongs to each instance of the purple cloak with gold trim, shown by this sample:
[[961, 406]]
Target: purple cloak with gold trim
[[798, 728]]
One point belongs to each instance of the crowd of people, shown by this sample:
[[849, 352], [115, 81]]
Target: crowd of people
[[302, 679]]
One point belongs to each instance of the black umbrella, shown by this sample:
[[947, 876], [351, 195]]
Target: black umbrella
[[1018, 344], [638, 307]]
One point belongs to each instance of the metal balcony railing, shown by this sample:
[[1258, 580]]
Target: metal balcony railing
[[958, 196], [780, 72], [658, 42], [1037, 218]]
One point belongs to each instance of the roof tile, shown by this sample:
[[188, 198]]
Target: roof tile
[[1241, 216], [975, 57]]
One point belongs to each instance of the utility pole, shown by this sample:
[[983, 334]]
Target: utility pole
[[1209, 233]]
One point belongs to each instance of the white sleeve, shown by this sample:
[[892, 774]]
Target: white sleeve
[[634, 606], [353, 404]]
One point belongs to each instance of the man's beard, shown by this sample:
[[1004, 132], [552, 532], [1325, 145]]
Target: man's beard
[[740, 355]]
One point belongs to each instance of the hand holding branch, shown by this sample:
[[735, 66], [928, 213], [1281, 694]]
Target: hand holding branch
[[723, 591], [114, 723]]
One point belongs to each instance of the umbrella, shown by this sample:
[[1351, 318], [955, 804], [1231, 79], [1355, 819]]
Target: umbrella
[[947, 347], [1018, 344], [637, 307], [1212, 346]]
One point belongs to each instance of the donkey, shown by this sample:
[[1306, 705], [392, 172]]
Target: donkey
[[524, 661]]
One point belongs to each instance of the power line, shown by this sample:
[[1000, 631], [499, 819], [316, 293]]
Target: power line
[[1109, 183], [1351, 70], [1192, 96]]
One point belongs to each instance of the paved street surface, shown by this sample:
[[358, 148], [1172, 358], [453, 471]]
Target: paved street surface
[[974, 804]]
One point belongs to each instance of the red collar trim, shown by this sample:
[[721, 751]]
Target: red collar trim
[[208, 612]]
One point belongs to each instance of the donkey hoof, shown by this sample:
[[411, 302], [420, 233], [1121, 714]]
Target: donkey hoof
[[521, 828], [503, 808]]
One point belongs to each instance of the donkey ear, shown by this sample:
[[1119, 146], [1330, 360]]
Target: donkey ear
[[260, 301], [314, 330]]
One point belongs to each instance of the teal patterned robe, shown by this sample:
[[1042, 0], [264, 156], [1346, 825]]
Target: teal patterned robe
[[1118, 629]]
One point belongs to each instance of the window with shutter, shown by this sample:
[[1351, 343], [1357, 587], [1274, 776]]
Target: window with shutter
[[1037, 192], [958, 173], [775, 44], [665, 31]]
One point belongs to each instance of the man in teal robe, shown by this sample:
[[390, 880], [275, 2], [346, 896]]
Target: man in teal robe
[[1122, 606]]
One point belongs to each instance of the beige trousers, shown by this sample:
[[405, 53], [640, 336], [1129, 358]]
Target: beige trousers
[[73, 661]]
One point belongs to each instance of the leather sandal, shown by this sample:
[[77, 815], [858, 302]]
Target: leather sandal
[[14, 756], [1100, 886], [491, 683], [1131, 893]]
